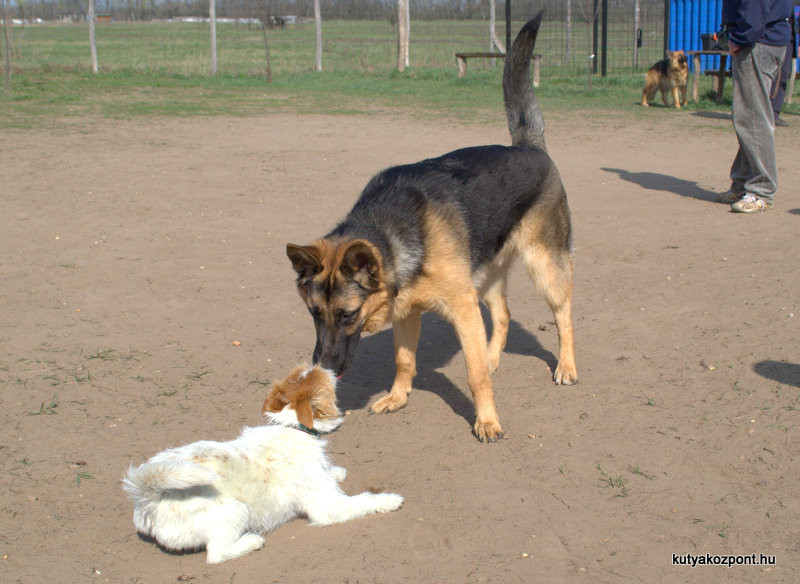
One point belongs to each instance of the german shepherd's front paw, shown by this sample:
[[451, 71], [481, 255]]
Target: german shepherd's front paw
[[391, 402], [488, 431], [565, 376]]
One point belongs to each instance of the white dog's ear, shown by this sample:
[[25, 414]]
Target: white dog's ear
[[304, 413], [275, 402], [279, 395], [322, 394]]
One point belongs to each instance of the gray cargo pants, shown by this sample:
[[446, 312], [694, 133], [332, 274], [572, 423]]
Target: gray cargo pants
[[754, 170]]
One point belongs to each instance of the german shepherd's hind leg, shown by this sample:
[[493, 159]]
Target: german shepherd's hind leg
[[468, 322], [551, 272], [648, 93], [493, 293], [406, 338]]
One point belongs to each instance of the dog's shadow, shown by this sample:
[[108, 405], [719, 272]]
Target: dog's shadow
[[372, 371], [654, 181]]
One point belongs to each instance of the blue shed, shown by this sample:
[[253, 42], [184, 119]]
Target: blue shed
[[688, 21]]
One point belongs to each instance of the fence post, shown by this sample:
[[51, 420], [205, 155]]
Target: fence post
[[508, 25], [212, 16], [595, 24], [604, 54]]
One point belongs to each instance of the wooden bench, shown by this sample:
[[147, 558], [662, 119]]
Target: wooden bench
[[718, 75], [461, 60]]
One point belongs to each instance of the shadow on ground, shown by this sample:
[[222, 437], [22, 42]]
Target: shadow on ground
[[372, 371], [654, 181]]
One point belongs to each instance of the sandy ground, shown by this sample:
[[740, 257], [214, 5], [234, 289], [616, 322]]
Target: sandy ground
[[134, 254]]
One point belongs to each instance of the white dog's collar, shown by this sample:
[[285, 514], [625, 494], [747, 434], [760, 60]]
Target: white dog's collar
[[306, 429]]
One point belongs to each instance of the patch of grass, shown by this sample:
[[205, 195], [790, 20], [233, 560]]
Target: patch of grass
[[198, 374], [261, 382], [81, 476], [792, 407], [81, 374], [618, 482], [161, 69], [124, 94], [47, 408], [637, 471], [104, 355]]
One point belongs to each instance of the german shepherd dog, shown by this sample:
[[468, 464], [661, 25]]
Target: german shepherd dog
[[440, 235], [669, 75]]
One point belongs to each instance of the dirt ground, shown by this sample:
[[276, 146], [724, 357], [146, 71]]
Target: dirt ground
[[134, 255]]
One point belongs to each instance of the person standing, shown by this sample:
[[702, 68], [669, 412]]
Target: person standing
[[758, 32]]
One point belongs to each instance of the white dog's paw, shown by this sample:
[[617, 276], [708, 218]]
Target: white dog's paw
[[385, 502], [221, 551], [338, 473]]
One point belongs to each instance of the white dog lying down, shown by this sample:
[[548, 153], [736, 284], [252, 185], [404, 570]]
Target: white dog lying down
[[224, 495]]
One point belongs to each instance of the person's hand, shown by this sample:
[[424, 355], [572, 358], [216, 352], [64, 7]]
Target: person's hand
[[733, 48]]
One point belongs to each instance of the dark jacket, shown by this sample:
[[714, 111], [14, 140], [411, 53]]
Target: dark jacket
[[758, 21]]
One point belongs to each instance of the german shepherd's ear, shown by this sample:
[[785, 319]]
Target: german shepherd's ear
[[306, 259], [361, 264]]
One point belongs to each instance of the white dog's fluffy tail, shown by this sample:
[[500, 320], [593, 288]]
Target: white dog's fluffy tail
[[149, 481]]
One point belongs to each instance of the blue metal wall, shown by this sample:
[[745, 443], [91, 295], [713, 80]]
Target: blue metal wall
[[688, 19]]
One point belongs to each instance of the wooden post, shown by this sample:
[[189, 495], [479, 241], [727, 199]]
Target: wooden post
[[92, 43], [7, 52], [318, 28], [462, 66], [696, 78], [402, 34], [212, 16], [790, 82]]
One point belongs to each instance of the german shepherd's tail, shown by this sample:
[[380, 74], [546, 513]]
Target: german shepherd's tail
[[525, 121]]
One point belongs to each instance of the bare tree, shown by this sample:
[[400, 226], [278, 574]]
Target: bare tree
[[589, 17], [212, 16], [403, 30], [92, 43], [318, 25]]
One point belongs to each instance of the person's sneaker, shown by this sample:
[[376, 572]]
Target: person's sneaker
[[780, 122], [729, 197], [750, 204]]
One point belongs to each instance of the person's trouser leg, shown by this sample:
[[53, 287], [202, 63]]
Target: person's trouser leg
[[779, 88], [755, 168]]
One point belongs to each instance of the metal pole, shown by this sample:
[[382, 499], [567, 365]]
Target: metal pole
[[604, 68], [508, 26], [595, 12]]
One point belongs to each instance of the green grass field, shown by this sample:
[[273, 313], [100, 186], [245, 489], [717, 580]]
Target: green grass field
[[162, 69]]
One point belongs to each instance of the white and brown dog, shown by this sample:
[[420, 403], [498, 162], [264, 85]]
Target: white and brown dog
[[224, 495]]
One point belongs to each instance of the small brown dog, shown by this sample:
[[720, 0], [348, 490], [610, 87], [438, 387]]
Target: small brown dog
[[668, 75]]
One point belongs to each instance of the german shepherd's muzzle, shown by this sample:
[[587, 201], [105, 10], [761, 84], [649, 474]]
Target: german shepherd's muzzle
[[440, 235]]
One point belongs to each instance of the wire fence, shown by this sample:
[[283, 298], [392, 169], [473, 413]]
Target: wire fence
[[357, 34]]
